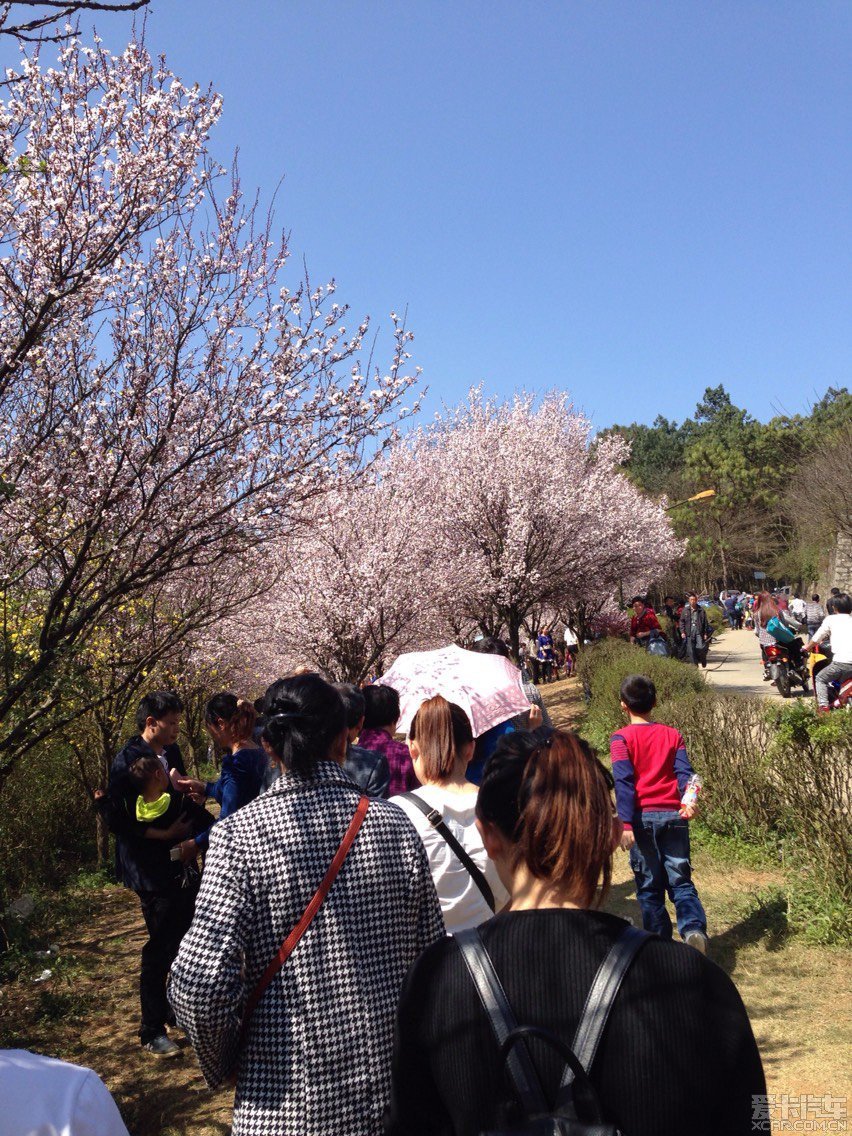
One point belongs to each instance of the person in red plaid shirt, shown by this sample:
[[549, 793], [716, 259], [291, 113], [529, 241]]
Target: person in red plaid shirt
[[644, 621]]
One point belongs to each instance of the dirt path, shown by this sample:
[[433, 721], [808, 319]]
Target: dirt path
[[798, 997]]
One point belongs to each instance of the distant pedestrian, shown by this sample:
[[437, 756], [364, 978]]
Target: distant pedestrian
[[545, 654], [532, 659], [695, 630], [643, 623], [814, 615], [730, 605]]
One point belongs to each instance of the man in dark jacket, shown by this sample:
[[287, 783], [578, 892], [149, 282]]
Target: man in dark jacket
[[696, 631], [367, 768], [144, 864]]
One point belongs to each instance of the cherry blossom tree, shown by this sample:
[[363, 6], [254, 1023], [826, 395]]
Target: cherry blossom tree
[[539, 516], [49, 20], [356, 585], [167, 396]]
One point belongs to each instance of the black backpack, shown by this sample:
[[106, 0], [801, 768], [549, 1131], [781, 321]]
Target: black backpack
[[539, 1118]]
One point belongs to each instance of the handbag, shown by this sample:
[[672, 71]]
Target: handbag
[[657, 645], [539, 1118], [286, 948], [438, 823]]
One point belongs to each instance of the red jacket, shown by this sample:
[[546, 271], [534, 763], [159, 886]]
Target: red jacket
[[647, 621]]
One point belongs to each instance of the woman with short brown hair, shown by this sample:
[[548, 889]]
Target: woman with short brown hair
[[443, 810]]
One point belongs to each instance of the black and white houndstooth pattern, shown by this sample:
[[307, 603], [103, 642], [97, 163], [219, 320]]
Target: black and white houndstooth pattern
[[316, 1058]]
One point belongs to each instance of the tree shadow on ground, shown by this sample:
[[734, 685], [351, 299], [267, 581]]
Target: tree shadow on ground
[[766, 923]]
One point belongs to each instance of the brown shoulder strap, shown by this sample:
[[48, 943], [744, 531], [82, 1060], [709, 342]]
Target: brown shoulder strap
[[310, 911]]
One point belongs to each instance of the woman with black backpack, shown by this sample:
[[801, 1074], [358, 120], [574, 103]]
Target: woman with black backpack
[[671, 1053]]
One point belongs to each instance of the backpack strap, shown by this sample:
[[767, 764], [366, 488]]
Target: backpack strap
[[502, 1020], [599, 1001], [438, 823]]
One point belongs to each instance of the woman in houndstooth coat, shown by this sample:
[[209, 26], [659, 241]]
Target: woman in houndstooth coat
[[316, 1056]]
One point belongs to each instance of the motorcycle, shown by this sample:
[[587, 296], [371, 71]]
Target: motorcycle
[[784, 671], [839, 691]]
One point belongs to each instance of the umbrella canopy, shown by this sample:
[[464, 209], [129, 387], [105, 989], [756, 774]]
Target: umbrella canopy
[[488, 688]]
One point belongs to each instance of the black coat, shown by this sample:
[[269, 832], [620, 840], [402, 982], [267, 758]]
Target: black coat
[[692, 619], [140, 864], [369, 770]]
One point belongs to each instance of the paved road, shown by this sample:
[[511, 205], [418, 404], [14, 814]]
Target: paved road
[[733, 665]]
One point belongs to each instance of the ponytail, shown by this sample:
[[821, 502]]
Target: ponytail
[[239, 713], [555, 807], [441, 730]]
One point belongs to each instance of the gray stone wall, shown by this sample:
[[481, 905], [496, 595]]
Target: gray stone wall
[[839, 571]]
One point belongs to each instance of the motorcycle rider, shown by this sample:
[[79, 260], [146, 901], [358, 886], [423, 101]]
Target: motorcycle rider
[[765, 609], [838, 625]]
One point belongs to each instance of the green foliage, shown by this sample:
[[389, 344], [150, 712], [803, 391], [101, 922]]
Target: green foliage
[[728, 739], [93, 879], [656, 452], [603, 667], [716, 618], [752, 521], [818, 914], [47, 824], [734, 850]]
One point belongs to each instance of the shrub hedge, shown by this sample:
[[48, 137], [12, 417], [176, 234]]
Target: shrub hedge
[[603, 666]]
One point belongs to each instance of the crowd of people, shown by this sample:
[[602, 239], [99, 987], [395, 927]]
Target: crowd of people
[[682, 629], [687, 633], [314, 941]]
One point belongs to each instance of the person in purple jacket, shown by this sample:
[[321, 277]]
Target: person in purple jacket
[[381, 715]]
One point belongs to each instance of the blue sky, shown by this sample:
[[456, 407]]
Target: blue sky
[[630, 201]]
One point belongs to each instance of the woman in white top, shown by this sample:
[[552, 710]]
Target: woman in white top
[[441, 745]]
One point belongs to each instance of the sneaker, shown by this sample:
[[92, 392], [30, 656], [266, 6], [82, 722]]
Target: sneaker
[[698, 940], [162, 1046]]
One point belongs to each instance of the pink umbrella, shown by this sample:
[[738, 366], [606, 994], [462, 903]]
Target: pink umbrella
[[488, 688]]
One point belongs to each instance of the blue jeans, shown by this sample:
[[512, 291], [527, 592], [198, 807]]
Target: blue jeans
[[660, 863]]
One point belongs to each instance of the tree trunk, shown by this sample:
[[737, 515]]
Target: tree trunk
[[514, 635], [102, 840]]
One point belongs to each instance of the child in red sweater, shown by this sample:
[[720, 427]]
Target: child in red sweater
[[651, 770]]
